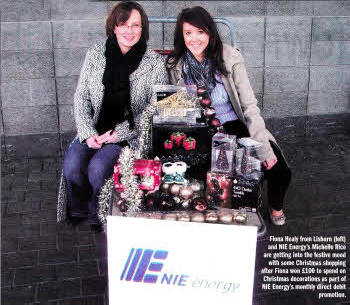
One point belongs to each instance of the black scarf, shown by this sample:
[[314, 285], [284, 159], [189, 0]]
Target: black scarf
[[198, 73], [116, 103]]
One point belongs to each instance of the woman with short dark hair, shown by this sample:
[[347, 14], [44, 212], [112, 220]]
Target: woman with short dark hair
[[114, 87], [200, 58]]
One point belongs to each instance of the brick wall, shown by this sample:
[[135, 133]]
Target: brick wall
[[297, 54]]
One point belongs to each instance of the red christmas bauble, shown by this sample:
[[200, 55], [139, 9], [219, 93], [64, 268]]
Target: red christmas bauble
[[205, 102], [215, 122]]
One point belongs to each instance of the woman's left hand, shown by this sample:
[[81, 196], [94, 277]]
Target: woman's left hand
[[269, 163], [108, 137]]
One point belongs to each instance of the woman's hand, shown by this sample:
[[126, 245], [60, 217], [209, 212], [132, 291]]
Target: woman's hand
[[108, 137], [93, 143], [269, 163]]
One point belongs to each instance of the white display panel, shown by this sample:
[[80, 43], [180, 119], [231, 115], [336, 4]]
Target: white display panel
[[168, 262]]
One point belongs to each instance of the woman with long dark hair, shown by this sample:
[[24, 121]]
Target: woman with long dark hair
[[200, 58], [114, 88]]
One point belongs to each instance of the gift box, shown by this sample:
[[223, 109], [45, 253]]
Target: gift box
[[246, 193], [218, 191], [176, 104], [222, 153], [148, 172], [247, 163], [183, 142]]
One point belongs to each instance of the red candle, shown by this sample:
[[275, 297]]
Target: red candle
[[168, 144]]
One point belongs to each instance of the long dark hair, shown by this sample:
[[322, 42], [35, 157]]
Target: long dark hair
[[200, 18], [120, 13]]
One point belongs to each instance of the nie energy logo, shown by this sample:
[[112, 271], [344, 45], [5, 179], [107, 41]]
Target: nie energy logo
[[145, 266], [139, 262]]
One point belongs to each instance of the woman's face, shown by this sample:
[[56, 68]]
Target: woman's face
[[196, 40], [129, 33]]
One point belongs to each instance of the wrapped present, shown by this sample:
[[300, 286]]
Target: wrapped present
[[223, 152], [148, 171], [218, 190]]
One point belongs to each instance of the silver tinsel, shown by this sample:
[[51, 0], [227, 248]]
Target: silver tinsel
[[132, 194], [145, 134], [104, 199]]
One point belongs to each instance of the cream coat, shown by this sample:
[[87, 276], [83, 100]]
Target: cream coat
[[241, 96]]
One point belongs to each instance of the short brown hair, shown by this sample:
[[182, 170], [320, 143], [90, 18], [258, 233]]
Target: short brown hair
[[120, 13]]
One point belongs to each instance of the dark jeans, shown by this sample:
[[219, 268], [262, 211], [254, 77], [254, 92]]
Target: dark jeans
[[278, 177], [85, 171]]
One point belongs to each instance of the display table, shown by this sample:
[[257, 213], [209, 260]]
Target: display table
[[218, 216]]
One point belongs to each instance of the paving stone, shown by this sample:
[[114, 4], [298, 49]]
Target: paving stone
[[256, 78], [20, 259], [33, 120], [285, 79], [102, 267], [289, 127], [321, 125], [74, 270], [42, 92], [326, 102], [240, 8], [288, 28], [69, 61], [15, 93], [330, 53], [77, 10], [92, 300], [66, 140], [20, 147], [9, 244], [152, 8], [7, 277], [253, 53], [30, 230], [290, 8], [288, 53], [35, 165], [15, 197], [54, 256], [78, 33], [285, 104], [16, 36], [24, 10], [173, 8], [94, 285], [38, 243], [57, 290], [333, 8], [26, 64], [14, 219], [67, 122], [247, 29], [40, 216], [66, 87], [329, 78], [156, 36], [23, 207], [17, 295], [331, 28], [90, 252], [49, 165], [25, 276]]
